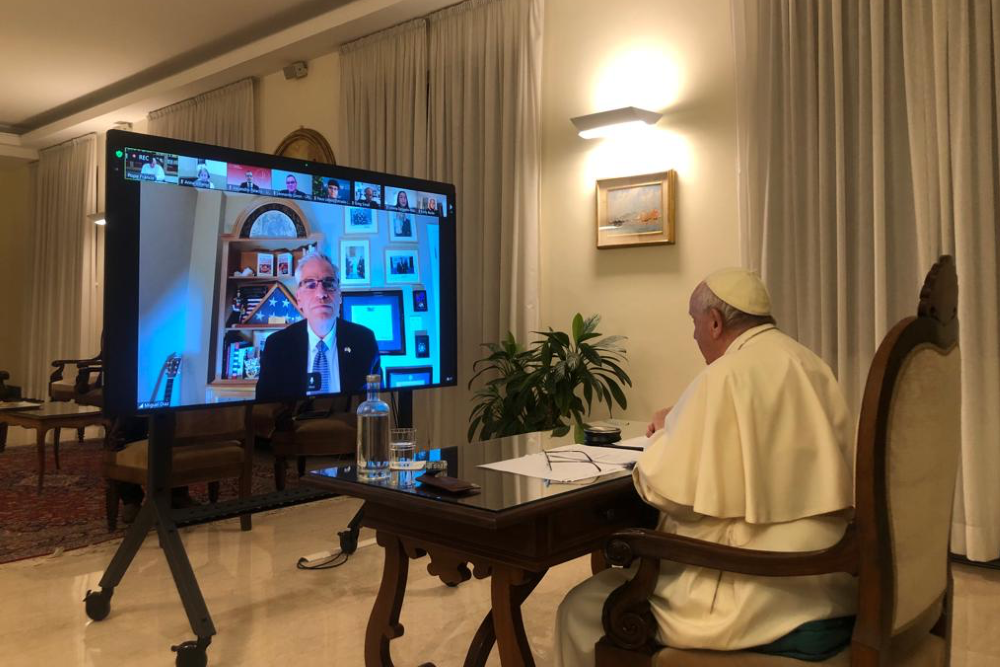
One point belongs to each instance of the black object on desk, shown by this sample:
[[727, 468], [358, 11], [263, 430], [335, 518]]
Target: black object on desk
[[599, 434]]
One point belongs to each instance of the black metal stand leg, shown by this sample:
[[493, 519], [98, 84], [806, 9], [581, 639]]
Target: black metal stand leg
[[129, 547], [184, 579], [156, 511]]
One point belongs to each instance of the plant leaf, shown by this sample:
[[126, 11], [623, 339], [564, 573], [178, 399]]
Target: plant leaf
[[577, 327]]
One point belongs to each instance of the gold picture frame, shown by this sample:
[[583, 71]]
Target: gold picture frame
[[636, 210]]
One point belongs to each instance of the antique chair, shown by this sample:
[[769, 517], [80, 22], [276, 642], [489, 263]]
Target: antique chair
[[8, 392], [211, 444], [86, 387], [897, 545], [320, 427]]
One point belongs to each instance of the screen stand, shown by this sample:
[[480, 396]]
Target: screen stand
[[404, 413], [156, 512]]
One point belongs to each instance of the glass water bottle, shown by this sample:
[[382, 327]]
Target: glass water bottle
[[373, 434]]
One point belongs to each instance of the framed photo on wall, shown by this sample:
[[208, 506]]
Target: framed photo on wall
[[401, 266], [636, 210], [360, 220], [402, 226], [355, 262]]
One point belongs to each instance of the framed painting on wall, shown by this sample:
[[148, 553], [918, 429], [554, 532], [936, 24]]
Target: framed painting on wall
[[636, 210]]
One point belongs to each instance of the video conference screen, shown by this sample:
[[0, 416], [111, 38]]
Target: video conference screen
[[233, 276]]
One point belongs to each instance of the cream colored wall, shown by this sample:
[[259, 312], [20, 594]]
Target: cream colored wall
[[15, 264], [673, 56], [286, 105]]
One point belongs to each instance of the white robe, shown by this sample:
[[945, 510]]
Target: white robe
[[757, 453]]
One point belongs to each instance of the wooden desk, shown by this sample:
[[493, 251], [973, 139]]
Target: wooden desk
[[52, 416], [513, 531]]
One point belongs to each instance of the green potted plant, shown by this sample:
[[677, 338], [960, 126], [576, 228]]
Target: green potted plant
[[550, 385]]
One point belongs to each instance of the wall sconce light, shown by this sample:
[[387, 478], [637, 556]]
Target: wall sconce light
[[96, 218], [614, 122]]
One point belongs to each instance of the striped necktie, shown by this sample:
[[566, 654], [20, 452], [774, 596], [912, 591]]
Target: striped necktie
[[322, 366]]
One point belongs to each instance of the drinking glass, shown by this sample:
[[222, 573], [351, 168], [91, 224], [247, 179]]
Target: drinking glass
[[402, 456]]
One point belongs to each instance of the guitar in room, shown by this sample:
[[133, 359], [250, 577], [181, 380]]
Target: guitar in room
[[171, 367]]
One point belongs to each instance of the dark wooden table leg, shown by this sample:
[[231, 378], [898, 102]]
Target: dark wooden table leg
[[482, 642], [55, 444], [40, 444], [510, 587], [3, 437], [598, 563], [383, 624]]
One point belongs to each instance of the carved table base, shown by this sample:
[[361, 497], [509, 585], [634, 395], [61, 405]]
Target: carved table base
[[510, 587]]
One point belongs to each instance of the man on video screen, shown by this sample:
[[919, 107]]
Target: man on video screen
[[323, 353]]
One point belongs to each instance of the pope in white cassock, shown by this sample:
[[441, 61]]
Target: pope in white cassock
[[757, 453]]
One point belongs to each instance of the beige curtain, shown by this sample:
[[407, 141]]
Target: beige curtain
[[64, 305], [952, 92], [481, 92], [485, 95], [223, 117], [852, 117], [383, 93]]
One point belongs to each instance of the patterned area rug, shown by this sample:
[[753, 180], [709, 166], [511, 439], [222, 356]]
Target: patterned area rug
[[69, 513]]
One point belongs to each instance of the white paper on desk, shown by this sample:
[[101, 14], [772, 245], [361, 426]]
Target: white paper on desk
[[563, 469]]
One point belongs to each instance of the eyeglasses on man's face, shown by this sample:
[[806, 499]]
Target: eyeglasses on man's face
[[328, 284]]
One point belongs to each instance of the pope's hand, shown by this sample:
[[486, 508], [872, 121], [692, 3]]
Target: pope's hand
[[659, 417]]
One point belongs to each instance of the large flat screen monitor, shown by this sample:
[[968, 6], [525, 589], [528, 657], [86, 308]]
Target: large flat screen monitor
[[234, 276]]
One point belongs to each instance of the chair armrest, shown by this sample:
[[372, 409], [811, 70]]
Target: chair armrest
[[627, 618], [627, 545], [65, 362], [60, 365], [84, 371]]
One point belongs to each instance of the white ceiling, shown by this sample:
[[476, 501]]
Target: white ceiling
[[71, 66]]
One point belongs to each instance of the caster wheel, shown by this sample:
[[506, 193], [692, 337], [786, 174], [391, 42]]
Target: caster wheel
[[190, 654], [98, 604]]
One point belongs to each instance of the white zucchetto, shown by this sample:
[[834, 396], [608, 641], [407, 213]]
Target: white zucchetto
[[741, 289]]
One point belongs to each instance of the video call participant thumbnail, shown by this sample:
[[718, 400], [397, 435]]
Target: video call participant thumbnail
[[153, 170], [367, 194], [322, 353], [288, 184], [333, 189]]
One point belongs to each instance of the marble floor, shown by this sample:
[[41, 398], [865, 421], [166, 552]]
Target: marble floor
[[269, 613]]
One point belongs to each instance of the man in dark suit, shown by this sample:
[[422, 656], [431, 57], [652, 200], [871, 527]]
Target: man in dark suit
[[323, 353], [292, 187], [248, 184]]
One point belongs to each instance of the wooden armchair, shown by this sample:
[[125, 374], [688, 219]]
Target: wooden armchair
[[8, 392], [897, 545], [210, 444], [86, 386], [320, 427]]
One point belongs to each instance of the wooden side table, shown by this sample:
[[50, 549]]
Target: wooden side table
[[49, 416]]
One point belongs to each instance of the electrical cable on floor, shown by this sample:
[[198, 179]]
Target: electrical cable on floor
[[328, 563]]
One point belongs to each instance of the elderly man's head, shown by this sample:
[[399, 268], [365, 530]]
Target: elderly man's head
[[723, 306], [318, 292]]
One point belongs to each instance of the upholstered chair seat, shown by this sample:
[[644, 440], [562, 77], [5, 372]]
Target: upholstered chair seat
[[210, 444], [326, 428], [929, 652], [191, 463]]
